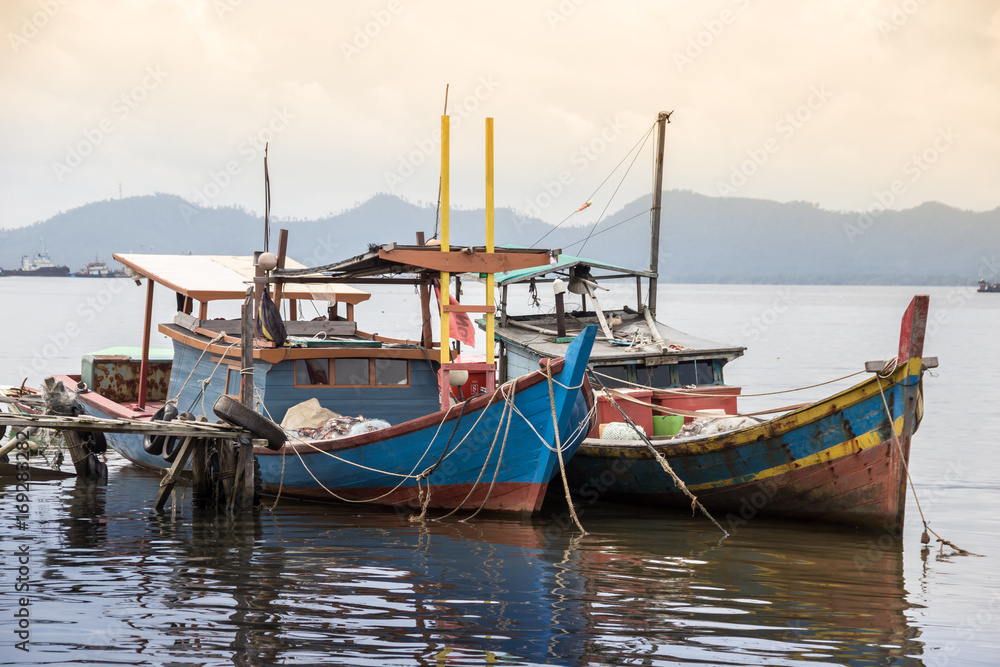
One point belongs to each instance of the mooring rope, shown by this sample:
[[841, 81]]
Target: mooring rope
[[885, 374], [695, 503], [509, 402], [562, 466], [486, 462]]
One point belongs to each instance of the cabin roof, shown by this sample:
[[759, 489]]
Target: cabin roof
[[562, 266], [220, 277], [397, 260]]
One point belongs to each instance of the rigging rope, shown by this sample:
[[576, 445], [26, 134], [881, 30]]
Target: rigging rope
[[642, 140]]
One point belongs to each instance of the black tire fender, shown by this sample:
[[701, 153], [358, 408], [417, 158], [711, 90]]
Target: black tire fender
[[153, 444], [233, 412], [95, 441], [172, 443]]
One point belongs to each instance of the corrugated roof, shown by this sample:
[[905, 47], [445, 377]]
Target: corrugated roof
[[563, 264], [219, 277]]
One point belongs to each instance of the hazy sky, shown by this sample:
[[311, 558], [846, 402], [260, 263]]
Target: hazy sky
[[842, 103]]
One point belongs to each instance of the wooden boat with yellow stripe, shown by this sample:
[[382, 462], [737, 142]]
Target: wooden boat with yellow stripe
[[842, 459]]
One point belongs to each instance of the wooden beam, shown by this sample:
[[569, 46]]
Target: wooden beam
[[458, 261], [282, 250], [170, 479], [147, 325], [461, 308]]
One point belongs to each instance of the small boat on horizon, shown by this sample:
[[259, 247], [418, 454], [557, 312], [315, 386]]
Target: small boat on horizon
[[988, 287], [98, 269]]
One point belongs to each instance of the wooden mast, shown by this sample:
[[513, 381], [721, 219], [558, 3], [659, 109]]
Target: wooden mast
[[654, 248]]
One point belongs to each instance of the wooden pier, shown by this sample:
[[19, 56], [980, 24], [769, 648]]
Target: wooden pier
[[232, 443]]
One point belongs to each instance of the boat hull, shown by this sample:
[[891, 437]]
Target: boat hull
[[835, 460], [495, 451]]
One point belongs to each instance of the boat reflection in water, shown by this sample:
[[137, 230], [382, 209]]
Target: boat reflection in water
[[315, 584]]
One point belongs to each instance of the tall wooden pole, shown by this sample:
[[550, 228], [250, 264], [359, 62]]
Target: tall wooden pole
[[426, 331], [489, 241], [654, 248], [147, 325], [445, 276]]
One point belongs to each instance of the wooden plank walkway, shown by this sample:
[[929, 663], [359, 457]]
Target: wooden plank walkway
[[177, 427]]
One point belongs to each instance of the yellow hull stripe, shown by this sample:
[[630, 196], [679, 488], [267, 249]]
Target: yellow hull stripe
[[846, 448]]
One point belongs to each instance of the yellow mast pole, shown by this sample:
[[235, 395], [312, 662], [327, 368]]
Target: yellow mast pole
[[489, 240], [445, 276]]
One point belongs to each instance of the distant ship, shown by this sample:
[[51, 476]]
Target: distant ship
[[39, 265], [98, 269]]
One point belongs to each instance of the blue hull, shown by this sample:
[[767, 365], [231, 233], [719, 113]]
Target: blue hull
[[495, 451]]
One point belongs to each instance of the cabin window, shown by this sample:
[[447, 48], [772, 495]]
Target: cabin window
[[653, 376], [391, 371], [351, 372], [312, 371], [695, 372], [619, 373], [233, 381]]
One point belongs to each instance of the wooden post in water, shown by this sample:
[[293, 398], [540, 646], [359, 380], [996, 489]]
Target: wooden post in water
[[243, 488], [78, 452], [147, 325], [201, 484]]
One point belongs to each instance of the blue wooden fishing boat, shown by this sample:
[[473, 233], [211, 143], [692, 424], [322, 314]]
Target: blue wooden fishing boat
[[496, 450]]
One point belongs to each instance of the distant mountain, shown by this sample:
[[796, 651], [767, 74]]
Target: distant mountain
[[703, 239]]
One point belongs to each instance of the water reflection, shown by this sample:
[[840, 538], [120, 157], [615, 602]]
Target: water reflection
[[313, 584]]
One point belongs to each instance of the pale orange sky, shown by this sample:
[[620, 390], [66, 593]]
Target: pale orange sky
[[838, 103]]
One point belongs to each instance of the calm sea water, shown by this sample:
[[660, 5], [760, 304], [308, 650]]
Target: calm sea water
[[110, 583]]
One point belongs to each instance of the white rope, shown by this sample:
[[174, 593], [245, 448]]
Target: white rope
[[195, 367], [695, 392]]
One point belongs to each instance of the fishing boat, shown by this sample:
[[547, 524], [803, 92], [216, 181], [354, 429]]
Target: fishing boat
[[39, 265], [412, 439], [988, 287], [663, 403], [497, 450]]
